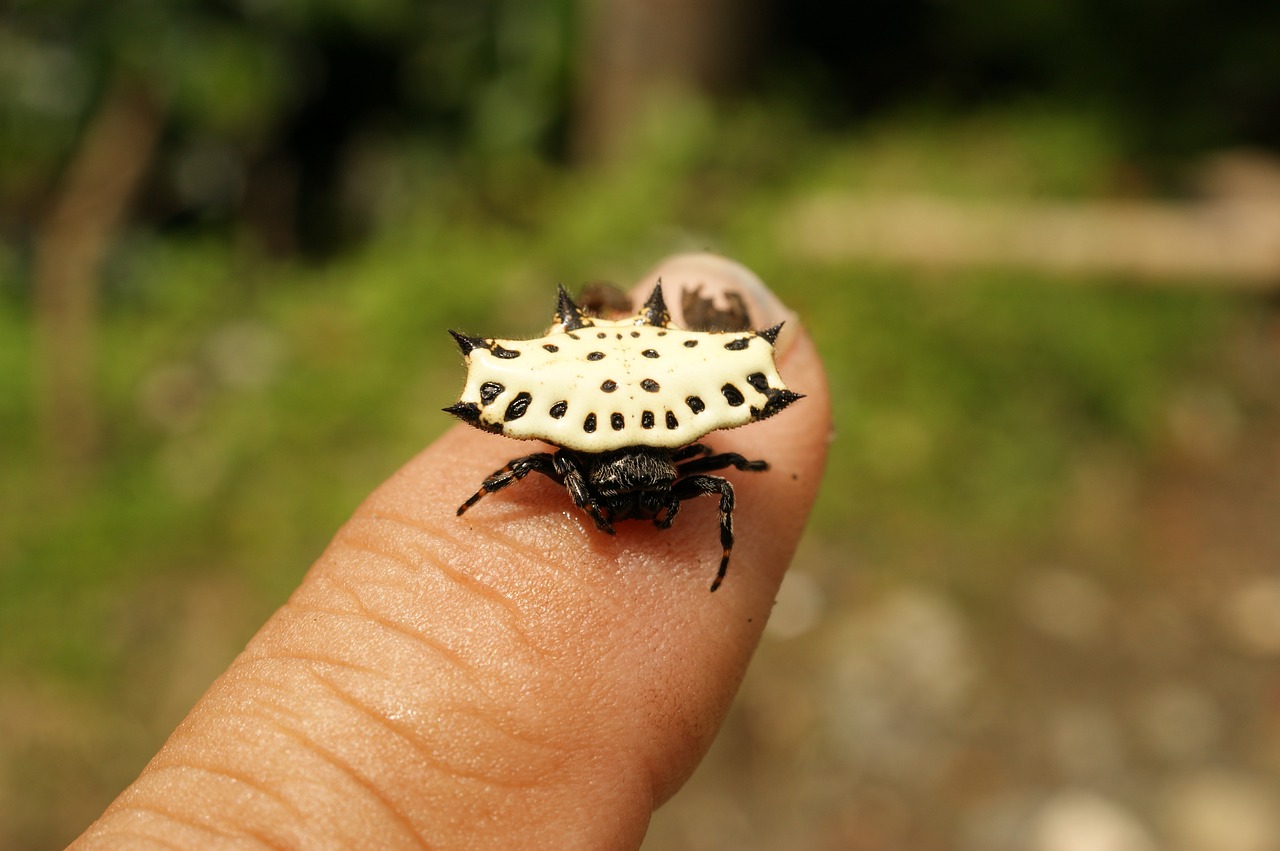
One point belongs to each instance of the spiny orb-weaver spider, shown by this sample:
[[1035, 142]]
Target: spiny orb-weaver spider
[[625, 401]]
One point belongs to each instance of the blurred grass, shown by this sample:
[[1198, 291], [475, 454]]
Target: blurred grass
[[251, 404]]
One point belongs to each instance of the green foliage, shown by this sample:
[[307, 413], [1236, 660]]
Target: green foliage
[[222, 80], [1028, 151]]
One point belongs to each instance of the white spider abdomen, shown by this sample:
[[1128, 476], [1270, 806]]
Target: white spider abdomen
[[596, 385]]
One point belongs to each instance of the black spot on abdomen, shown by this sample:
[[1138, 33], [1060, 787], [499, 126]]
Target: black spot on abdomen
[[732, 395], [695, 404], [558, 410], [650, 386], [672, 422], [759, 382], [646, 419], [596, 356], [489, 391], [738, 344], [518, 408], [617, 422], [609, 386], [505, 354], [589, 424]]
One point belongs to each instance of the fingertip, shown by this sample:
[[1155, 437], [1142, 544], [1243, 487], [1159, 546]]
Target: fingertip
[[655, 618]]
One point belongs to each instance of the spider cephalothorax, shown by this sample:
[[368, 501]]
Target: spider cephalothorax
[[625, 401]]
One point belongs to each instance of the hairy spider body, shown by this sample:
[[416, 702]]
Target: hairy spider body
[[625, 402]]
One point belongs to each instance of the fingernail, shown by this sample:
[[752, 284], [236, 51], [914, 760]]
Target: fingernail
[[714, 277]]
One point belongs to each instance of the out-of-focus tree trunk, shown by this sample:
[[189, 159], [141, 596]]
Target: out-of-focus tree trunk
[[635, 50], [71, 243]]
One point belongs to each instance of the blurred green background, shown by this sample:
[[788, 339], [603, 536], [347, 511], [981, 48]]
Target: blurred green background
[[1039, 603]]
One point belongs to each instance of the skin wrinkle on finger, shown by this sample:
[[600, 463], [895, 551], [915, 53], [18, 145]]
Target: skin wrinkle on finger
[[240, 778], [278, 835], [511, 548], [453, 658], [414, 633], [365, 528], [186, 820], [324, 769], [399, 602], [287, 731], [396, 585], [355, 778], [425, 754], [485, 693], [397, 809], [423, 539], [487, 716], [314, 658], [451, 771], [148, 837], [604, 664]]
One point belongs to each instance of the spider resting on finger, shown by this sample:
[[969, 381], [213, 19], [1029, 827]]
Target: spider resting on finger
[[625, 402]]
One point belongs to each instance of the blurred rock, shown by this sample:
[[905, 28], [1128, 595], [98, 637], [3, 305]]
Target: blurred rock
[[1179, 721], [1222, 811], [1065, 604], [1077, 820], [998, 823], [1085, 742], [717, 822], [900, 675], [1156, 631], [1250, 612]]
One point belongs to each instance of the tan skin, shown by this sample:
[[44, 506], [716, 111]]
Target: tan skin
[[511, 678]]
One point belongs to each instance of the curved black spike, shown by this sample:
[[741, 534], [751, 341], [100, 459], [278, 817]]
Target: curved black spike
[[469, 412], [569, 314], [778, 399], [466, 411], [655, 309], [771, 334], [466, 344]]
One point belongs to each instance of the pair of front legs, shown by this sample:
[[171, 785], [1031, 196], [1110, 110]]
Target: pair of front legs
[[691, 481]]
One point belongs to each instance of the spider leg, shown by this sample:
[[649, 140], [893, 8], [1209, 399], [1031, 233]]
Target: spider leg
[[719, 462], [569, 473], [693, 450], [699, 485], [672, 508], [515, 470]]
